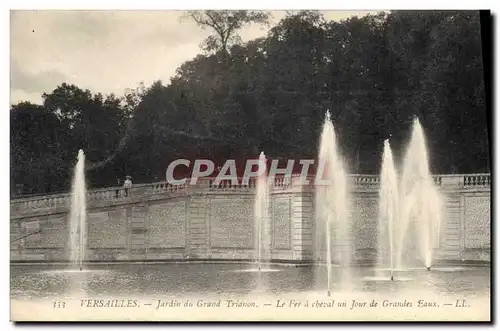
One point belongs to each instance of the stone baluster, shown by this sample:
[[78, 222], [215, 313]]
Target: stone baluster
[[476, 180]]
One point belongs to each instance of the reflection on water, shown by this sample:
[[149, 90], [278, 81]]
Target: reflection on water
[[177, 280], [387, 279], [257, 270]]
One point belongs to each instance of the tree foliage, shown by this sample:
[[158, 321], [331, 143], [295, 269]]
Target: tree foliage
[[225, 24], [375, 73]]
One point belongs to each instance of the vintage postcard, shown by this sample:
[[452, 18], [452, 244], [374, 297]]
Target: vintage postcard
[[250, 165]]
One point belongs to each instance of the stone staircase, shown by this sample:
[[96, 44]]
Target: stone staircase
[[138, 233], [450, 238], [198, 235]]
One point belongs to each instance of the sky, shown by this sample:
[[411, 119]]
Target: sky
[[107, 51]]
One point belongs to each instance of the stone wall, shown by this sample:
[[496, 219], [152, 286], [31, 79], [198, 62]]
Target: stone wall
[[476, 227], [159, 222]]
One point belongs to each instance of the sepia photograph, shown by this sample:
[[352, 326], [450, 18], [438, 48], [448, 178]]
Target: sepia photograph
[[250, 165]]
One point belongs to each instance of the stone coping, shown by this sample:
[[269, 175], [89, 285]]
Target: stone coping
[[103, 197], [460, 180]]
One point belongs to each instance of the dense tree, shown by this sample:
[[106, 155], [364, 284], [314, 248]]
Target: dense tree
[[39, 157], [375, 73], [225, 24]]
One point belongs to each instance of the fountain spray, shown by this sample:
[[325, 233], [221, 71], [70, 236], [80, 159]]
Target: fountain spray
[[78, 214], [331, 201], [261, 209], [423, 203], [388, 204]]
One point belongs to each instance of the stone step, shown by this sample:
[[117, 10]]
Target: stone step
[[197, 221], [201, 232]]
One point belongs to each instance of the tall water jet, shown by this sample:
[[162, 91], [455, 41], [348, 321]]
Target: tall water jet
[[388, 209], [331, 205], [78, 215], [261, 208], [422, 203]]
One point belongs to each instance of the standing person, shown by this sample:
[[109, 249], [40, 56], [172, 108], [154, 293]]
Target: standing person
[[127, 184]]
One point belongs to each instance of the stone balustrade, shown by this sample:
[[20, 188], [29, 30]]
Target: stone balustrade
[[208, 219], [165, 187], [228, 184], [367, 181], [357, 182], [475, 180]]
